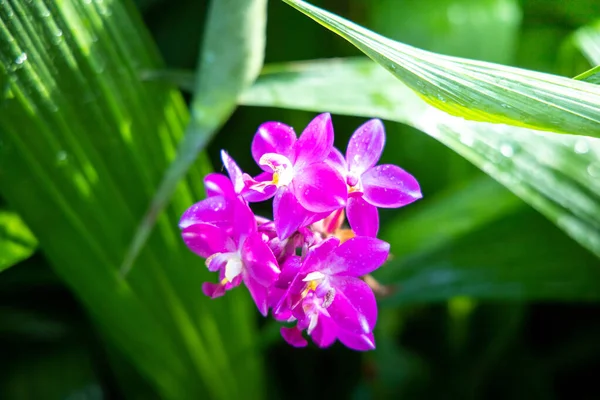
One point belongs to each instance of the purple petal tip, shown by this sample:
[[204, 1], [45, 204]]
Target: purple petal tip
[[293, 336]]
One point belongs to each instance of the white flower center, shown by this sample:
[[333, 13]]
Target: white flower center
[[233, 268], [283, 170]]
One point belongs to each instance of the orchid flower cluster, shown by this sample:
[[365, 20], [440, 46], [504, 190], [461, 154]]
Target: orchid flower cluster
[[303, 265]]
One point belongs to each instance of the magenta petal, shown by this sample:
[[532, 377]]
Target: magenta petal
[[293, 336], [259, 260], [289, 283], [259, 293], [288, 214], [338, 162], [237, 281], [235, 173], [362, 342], [273, 137], [206, 240], [358, 256], [218, 185], [316, 141], [284, 313], [255, 197], [319, 188], [325, 332], [314, 217], [289, 270], [319, 254], [362, 216], [332, 222], [213, 290], [353, 307], [218, 261], [244, 222], [216, 210], [365, 146], [389, 186], [264, 180]]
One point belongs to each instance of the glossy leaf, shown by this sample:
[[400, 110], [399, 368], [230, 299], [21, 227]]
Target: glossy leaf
[[476, 90], [587, 40], [581, 50], [556, 174], [183, 79], [518, 256], [230, 60], [16, 240], [464, 209], [591, 76], [485, 30], [84, 145]]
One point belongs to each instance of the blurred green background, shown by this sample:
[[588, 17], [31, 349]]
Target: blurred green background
[[490, 341]]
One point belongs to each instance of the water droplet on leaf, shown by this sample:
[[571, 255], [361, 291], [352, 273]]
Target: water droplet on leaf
[[21, 58], [594, 170], [507, 150], [581, 146], [61, 157]]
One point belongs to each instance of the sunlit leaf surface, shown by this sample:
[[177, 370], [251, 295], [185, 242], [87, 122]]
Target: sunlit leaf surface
[[556, 174], [16, 240], [591, 76], [231, 58], [587, 39], [477, 90], [86, 143], [489, 248], [485, 30]]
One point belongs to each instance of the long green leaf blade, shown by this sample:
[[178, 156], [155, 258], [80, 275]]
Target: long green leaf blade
[[580, 51], [231, 58], [486, 271], [16, 240], [556, 174], [591, 76], [587, 39], [468, 254], [541, 264], [464, 209], [85, 143], [462, 256], [477, 90]]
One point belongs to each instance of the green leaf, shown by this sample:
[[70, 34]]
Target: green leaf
[[484, 30], [520, 257], [587, 40], [477, 90], [463, 209], [16, 240], [184, 80], [556, 174], [458, 244], [85, 144], [231, 58], [581, 50], [591, 76]]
